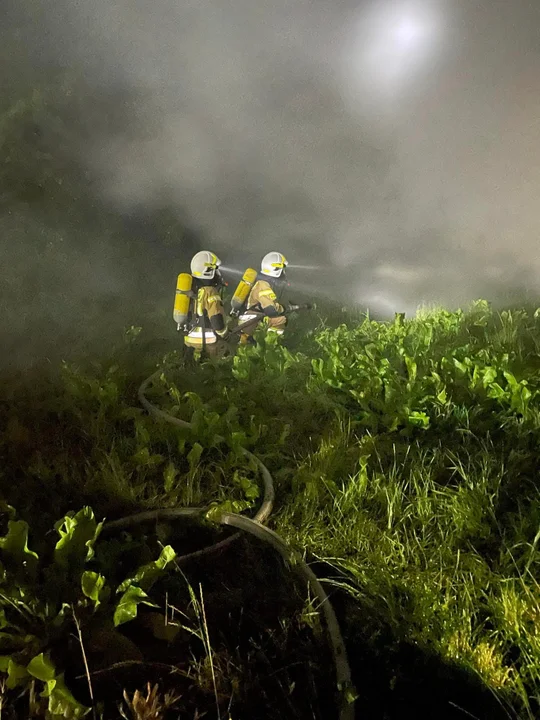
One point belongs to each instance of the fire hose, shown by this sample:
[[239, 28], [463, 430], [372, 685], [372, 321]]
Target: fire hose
[[260, 315], [256, 528]]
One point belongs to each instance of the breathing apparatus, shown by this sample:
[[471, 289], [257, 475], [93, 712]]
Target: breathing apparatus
[[242, 291], [204, 268], [183, 301], [272, 266]]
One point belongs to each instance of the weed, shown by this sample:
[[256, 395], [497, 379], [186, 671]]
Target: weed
[[405, 458]]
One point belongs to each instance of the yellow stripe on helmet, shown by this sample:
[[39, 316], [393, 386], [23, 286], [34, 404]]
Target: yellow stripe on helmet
[[281, 263]]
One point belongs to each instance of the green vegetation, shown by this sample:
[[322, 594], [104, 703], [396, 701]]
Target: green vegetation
[[405, 461]]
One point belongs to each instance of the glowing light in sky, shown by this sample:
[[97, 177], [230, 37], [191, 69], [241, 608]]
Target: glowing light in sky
[[392, 42], [408, 33]]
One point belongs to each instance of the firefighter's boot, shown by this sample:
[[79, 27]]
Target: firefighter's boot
[[246, 339]]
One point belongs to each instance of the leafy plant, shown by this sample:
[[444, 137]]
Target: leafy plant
[[404, 456], [35, 617]]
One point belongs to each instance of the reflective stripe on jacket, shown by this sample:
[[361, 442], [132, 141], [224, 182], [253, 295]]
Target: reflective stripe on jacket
[[262, 295], [197, 335]]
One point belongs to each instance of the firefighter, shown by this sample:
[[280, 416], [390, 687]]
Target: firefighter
[[263, 299], [208, 331]]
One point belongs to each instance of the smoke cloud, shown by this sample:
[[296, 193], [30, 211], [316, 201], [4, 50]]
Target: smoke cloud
[[392, 142]]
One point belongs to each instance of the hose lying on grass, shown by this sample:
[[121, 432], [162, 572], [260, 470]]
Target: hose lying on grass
[[256, 528]]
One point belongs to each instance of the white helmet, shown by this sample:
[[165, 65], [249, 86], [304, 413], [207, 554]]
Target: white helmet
[[273, 264], [204, 265]]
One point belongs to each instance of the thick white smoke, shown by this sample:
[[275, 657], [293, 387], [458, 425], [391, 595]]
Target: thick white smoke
[[393, 140]]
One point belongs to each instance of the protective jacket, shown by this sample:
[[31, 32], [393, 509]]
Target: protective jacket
[[263, 298], [209, 315]]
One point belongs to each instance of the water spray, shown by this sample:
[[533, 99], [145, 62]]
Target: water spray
[[304, 267], [232, 271]]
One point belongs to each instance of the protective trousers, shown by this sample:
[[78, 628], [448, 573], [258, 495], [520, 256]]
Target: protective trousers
[[275, 324]]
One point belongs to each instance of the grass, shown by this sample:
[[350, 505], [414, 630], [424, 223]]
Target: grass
[[405, 456]]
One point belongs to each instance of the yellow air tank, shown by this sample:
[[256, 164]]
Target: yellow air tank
[[242, 291], [182, 300]]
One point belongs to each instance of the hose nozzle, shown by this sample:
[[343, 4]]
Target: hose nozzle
[[306, 306]]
